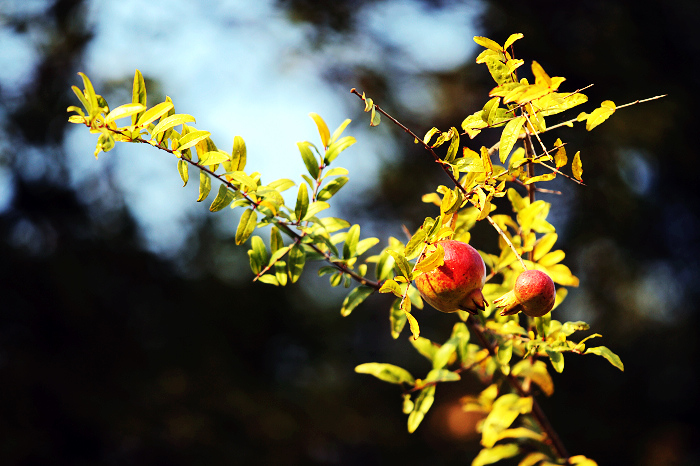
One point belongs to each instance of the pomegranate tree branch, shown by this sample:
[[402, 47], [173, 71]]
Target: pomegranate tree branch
[[427, 147], [552, 437]]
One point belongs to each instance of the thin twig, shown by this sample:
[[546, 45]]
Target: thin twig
[[423, 143], [507, 240]]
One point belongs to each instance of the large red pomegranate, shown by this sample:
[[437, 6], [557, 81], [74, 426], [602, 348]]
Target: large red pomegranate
[[533, 294], [456, 285]]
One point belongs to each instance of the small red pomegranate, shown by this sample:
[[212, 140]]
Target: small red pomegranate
[[533, 294], [456, 285]]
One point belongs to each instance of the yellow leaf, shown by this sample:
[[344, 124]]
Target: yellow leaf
[[488, 43], [322, 129], [541, 77], [560, 158], [577, 167], [431, 261], [508, 138], [545, 177]]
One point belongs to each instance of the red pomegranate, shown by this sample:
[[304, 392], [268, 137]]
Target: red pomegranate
[[533, 294], [456, 285]]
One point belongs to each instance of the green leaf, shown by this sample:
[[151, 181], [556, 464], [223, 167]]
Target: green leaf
[[269, 279], [495, 454], [182, 169], [124, 111], [415, 244], [386, 372], [505, 352], [404, 268], [281, 272], [302, 205], [224, 197], [570, 327], [138, 94], [276, 241], [412, 322], [442, 356], [397, 318], [509, 137], [604, 351], [355, 298], [390, 286], [425, 347], [498, 70], [152, 114], [246, 225], [204, 186], [503, 413], [557, 360], [238, 156], [257, 254], [172, 121], [192, 138], [296, 261], [337, 147], [351, 239], [309, 159], [331, 188], [322, 129], [422, 405], [441, 375]]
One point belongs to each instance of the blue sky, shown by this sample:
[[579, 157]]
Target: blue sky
[[241, 68]]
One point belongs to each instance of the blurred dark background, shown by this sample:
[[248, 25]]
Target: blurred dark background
[[111, 353]]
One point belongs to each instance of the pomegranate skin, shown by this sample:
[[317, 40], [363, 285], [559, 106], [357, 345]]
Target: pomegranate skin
[[535, 292], [456, 285]]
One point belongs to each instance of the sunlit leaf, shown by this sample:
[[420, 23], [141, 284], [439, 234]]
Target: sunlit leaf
[[432, 260], [172, 121], [246, 225], [488, 43], [544, 177], [192, 138], [422, 404], [331, 188], [339, 130], [443, 355], [386, 372], [397, 319], [441, 375], [138, 94], [154, 113], [124, 111], [511, 39], [302, 204], [355, 298], [600, 114], [295, 262], [213, 157], [183, 170], [309, 159], [204, 186], [495, 454], [337, 147], [224, 197], [322, 129], [604, 351], [577, 167], [509, 137]]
